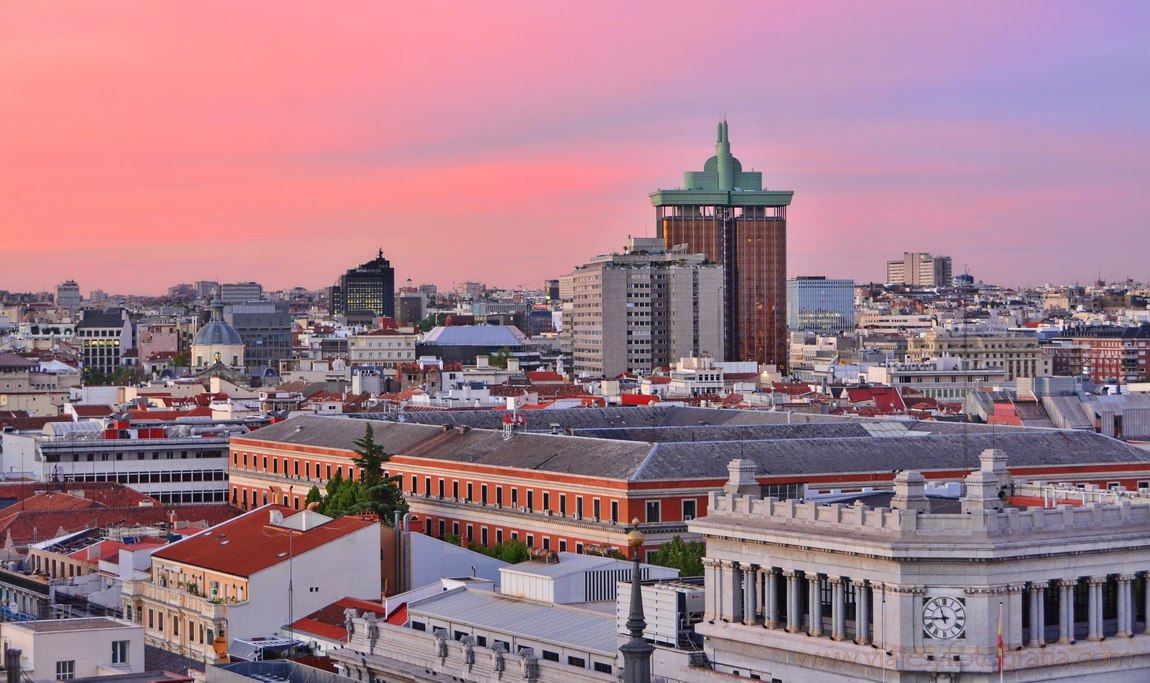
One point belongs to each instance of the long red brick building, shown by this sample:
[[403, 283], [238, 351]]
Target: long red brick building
[[574, 479]]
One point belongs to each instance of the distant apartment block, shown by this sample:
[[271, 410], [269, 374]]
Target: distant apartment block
[[24, 386], [1104, 354], [241, 292], [206, 288], [816, 304], [645, 308], [382, 348], [946, 379], [410, 308], [173, 463], [472, 291], [103, 337], [265, 328], [1017, 355], [68, 295], [919, 269]]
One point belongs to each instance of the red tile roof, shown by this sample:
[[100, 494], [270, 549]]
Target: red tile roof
[[84, 410], [886, 399], [110, 550], [250, 543], [140, 415], [542, 376], [791, 388], [638, 399], [27, 526], [398, 616], [327, 622]]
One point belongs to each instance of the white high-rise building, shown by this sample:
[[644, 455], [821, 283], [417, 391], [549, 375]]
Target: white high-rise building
[[68, 295], [644, 308], [919, 269]]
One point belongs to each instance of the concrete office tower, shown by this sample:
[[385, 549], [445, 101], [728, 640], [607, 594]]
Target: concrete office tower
[[241, 292], [919, 269], [724, 213], [206, 288], [369, 287], [816, 304], [265, 327], [68, 295], [644, 308]]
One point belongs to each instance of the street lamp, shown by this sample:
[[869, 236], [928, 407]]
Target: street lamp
[[637, 651]]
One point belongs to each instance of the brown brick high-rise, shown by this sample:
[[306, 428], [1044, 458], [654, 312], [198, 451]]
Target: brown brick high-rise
[[724, 213]]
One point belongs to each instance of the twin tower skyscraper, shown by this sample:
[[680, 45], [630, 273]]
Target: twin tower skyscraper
[[724, 213]]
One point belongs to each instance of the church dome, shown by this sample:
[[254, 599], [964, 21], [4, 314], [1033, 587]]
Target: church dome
[[217, 342], [218, 333]]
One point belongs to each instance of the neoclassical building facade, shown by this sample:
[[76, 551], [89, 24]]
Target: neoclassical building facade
[[917, 589]]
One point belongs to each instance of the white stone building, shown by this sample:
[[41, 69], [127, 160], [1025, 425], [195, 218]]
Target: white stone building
[[915, 590], [60, 649]]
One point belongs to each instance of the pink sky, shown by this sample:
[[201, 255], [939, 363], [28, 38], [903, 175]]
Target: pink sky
[[144, 144]]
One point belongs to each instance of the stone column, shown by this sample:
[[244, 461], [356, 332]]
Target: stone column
[[862, 612], [815, 606], [1094, 607], [1066, 610], [1125, 606], [735, 585], [1037, 614], [750, 577], [794, 619], [711, 582], [730, 592], [838, 609], [771, 599], [1146, 598]]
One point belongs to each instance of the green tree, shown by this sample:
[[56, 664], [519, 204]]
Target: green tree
[[344, 497], [685, 556], [94, 377], [381, 492], [432, 320], [126, 375], [313, 496], [499, 358], [182, 360], [513, 551]]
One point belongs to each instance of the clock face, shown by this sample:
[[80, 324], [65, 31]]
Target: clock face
[[944, 618]]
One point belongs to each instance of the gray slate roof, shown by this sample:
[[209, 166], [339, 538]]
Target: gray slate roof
[[217, 333], [1024, 448], [838, 448], [476, 335]]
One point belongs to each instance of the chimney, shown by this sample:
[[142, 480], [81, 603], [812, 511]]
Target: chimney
[[910, 492], [985, 489], [12, 664], [741, 478]]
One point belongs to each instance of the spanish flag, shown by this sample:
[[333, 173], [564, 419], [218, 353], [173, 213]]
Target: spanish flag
[[1000, 638]]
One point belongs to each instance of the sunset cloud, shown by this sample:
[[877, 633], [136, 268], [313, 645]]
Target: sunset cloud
[[144, 144]]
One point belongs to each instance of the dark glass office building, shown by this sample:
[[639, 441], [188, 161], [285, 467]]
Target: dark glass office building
[[369, 287]]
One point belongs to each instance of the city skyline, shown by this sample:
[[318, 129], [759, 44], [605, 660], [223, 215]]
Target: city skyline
[[146, 146]]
